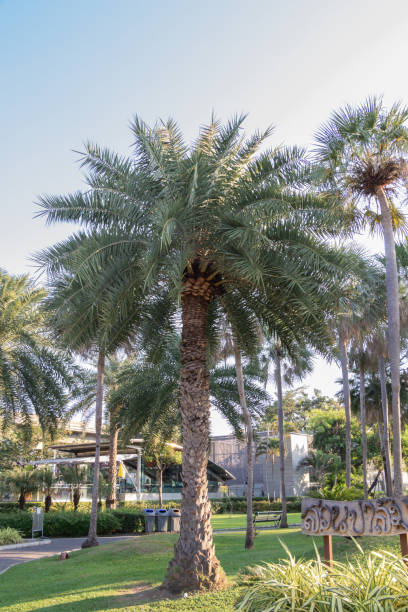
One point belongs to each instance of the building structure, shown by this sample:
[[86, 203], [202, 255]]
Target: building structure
[[230, 453]]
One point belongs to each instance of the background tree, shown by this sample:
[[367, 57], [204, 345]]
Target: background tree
[[270, 448], [363, 149], [296, 365], [35, 377], [23, 481], [47, 479], [90, 319], [159, 452], [77, 476], [320, 466]]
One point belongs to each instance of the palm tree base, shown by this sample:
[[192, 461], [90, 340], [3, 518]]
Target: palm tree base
[[183, 577], [89, 543]]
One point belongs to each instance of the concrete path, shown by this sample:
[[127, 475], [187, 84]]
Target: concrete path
[[8, 558]]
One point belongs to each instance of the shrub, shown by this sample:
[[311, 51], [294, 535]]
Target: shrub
[[61, 524], [76, 524], [373, 581], [21, 521], [131, 521], [9, 536], [236, 504], [339, 493]]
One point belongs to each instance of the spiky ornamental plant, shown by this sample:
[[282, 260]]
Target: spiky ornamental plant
[[363, 151], [222, 232]]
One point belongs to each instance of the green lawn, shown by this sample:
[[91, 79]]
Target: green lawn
[[123, 576], [229, 521]]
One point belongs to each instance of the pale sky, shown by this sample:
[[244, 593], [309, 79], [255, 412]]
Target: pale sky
[[79, 70]]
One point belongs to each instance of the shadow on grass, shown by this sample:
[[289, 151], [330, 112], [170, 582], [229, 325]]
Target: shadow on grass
[[128, 595]]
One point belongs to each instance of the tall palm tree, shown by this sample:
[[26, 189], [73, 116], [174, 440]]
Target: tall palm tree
[[85, 402], [270, 448], [222, 233], [35, 377], [230, 347], [88, 319], [297, 364], [363, 150]]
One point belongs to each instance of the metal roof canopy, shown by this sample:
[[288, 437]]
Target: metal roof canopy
[[88, 448], [127, 457], [129, 453]]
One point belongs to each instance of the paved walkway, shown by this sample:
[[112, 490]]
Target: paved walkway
[[8, 558]]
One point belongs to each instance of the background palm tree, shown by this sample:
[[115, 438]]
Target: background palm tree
[[48, 480], [76, 312], [297, 364], [270, 448], [75, 475], [363, 149], [222, 232], [35, 377], [23, 481]]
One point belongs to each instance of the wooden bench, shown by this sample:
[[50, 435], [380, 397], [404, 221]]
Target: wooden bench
[[271, 516]]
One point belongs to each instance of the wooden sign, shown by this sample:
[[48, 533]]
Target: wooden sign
[[364, 517], [374, 517]]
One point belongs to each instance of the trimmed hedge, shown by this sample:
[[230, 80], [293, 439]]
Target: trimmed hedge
[[55, 507], [62, 524], [232, 504], [131, 521]]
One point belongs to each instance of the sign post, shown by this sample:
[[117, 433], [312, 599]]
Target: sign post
[[328, 550], [38, 522]]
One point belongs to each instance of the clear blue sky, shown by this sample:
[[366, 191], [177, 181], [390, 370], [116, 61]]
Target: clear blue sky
[[80, 69]]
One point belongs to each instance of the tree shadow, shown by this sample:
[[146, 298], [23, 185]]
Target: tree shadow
[[131, 595]]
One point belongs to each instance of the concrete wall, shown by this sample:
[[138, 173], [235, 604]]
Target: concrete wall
[[230, 453]]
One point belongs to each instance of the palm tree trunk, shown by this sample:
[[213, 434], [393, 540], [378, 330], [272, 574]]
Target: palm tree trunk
[[21, 501], [278, 379], [363, 429], [47, 503], [76, 496], [386, 428], [112, 476], [92, 537], [161, 488], [347, 402], [394, 342], [266, 471], [249, 539], [194, 565]]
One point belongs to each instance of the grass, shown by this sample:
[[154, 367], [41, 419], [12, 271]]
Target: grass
[[229, 521], [123, 576]]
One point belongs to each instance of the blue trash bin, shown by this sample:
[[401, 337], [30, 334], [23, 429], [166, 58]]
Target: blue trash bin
[[148, 519]]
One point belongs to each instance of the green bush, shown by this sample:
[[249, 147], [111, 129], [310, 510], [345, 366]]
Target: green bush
[[374, 581], [56, 506], [21, 521], [9, 536], [236, 504], [338, 493], [131, 520], [61, 524]]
